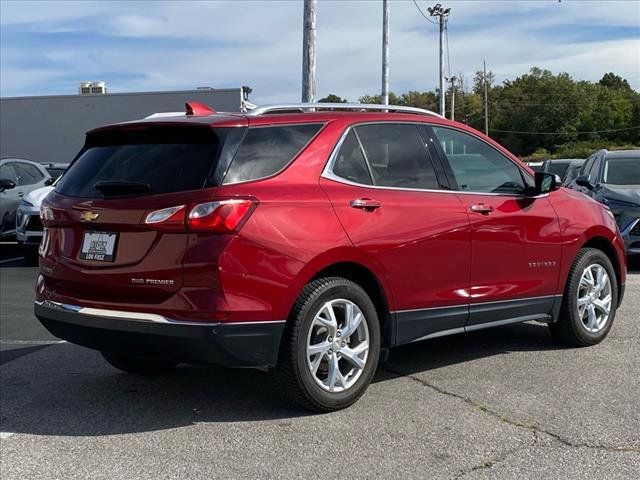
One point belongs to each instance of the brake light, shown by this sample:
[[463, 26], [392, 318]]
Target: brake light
[[171, 218], [222, 216]]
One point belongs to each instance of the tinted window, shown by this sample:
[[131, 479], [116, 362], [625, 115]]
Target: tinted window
[[350, 163], [397, 156], [622, 171], [166, 159], [27, 174], [477, 166], [267, 150]]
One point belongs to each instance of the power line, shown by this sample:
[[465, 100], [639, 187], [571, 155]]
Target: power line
[[565, 133], [423, 14]]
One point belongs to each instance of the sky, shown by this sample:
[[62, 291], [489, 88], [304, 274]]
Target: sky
[[49, 47]]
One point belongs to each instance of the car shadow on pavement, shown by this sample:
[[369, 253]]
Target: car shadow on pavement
[[442, 352], [70, 391]]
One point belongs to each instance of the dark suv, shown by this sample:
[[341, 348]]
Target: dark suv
[[613, 178], [310, 240]]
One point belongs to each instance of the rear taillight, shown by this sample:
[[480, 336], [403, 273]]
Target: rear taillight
[[221, 216]]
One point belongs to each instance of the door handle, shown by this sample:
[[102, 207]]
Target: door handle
[[365, 204], [20, 194], [481, 208]]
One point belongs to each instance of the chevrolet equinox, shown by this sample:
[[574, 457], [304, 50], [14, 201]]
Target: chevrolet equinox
[[310, 239]]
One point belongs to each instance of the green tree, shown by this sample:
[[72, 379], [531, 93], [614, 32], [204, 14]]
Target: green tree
[[332, 98], [611, 80]]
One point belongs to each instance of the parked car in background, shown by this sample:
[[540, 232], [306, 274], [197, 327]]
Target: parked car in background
[[18, 177], [613, 178], [309, 240], [565, 168], [28, 225], [56, 169]]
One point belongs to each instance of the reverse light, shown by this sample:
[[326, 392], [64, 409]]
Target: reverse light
[[171, 218], [223, 216]]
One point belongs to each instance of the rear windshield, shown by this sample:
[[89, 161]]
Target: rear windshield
[[165, 159]]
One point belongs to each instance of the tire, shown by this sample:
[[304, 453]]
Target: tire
[[310, 325], [138, 365], [575, 326]]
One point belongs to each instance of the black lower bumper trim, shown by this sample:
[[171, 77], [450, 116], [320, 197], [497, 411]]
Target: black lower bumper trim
[[233, 345]]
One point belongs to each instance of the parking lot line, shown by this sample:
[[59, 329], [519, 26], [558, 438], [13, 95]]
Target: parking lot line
[[31, 342], [11, 259]]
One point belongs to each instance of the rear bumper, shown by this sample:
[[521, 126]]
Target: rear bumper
[[251, 344]]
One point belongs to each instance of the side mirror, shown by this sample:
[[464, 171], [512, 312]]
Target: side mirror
[[584, 181], [49, 181], [6, 184], [546, 182]]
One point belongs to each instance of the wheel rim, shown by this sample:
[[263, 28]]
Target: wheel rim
[[337, 345], [594, 298]]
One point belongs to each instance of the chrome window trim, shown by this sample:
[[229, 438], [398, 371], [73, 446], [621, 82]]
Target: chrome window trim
[[138, 316], [327, 172]]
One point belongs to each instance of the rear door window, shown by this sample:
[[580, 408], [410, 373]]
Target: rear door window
[[166, 159], [350, 163], [397, 156], [265, 151]]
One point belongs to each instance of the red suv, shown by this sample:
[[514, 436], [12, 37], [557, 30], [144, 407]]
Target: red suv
[[309, 240]]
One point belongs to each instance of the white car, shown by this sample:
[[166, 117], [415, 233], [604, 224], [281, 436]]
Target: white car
[[18, 177]]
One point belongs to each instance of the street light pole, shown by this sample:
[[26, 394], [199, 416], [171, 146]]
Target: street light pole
[[384, 97], [442, 13], [453, 96], [309, 52], [486, 101]]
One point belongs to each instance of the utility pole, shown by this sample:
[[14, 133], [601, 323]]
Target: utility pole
[[486, 102], [309, 52], [453, 96], [442, 13], [384, 97]]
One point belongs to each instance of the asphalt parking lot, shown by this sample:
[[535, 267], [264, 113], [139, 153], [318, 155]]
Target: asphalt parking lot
[[502, 403]]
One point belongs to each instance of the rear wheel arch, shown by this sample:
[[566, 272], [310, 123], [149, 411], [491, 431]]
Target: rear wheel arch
[[371, 284]]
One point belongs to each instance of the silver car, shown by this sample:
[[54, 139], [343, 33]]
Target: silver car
[[18, 177], [28, 225]]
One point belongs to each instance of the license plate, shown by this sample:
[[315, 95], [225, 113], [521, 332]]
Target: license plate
[[99, 246]]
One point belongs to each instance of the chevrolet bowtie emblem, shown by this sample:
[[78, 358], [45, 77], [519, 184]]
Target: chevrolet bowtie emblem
[[89, 216]]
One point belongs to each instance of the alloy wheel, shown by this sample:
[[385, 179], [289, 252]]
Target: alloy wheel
[[594, 298], [337, 345]]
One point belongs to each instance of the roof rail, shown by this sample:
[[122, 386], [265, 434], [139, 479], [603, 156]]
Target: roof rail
[[165, 114], [305, 107]]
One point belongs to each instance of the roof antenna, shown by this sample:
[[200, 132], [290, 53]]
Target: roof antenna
[[198, 109]]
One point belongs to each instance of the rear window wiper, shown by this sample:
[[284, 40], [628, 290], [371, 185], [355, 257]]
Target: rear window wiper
[[121, 187]]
